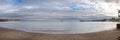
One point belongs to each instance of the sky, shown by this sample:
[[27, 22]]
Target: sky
[[60, 8]]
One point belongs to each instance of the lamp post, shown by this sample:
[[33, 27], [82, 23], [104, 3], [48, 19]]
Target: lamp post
[[118, 24], [118, 13]]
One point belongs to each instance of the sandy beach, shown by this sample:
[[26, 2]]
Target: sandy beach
[[10, 34]]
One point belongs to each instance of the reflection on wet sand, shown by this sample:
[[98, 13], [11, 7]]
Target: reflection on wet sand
[[10, 34]]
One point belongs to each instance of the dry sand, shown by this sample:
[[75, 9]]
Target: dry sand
[[10, 34]]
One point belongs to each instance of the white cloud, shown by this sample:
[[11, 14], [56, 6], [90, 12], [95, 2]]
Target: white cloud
[[59, 7]]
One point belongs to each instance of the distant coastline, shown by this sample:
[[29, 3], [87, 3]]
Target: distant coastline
[[9, 19], [62, 20], [109, 20]]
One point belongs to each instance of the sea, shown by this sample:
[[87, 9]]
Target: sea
[[59, 27]]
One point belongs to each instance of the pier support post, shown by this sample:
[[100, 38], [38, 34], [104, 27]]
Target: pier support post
[[118, 26]]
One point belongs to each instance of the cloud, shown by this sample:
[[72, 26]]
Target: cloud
[[60, 8], [113, 1]]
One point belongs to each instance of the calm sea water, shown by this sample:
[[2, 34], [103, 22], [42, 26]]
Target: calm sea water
[[59, 27]]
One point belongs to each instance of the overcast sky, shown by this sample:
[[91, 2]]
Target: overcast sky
[[61, 7]]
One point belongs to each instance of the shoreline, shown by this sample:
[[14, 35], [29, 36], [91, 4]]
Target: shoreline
[[11, 34]]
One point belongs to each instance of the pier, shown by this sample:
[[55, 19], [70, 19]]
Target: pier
[[118, 26]]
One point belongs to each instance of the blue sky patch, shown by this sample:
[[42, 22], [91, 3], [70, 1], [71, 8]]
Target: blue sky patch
[[77, 8], [17, 2]]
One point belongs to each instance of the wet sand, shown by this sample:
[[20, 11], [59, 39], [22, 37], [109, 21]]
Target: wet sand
[[10, 34]]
